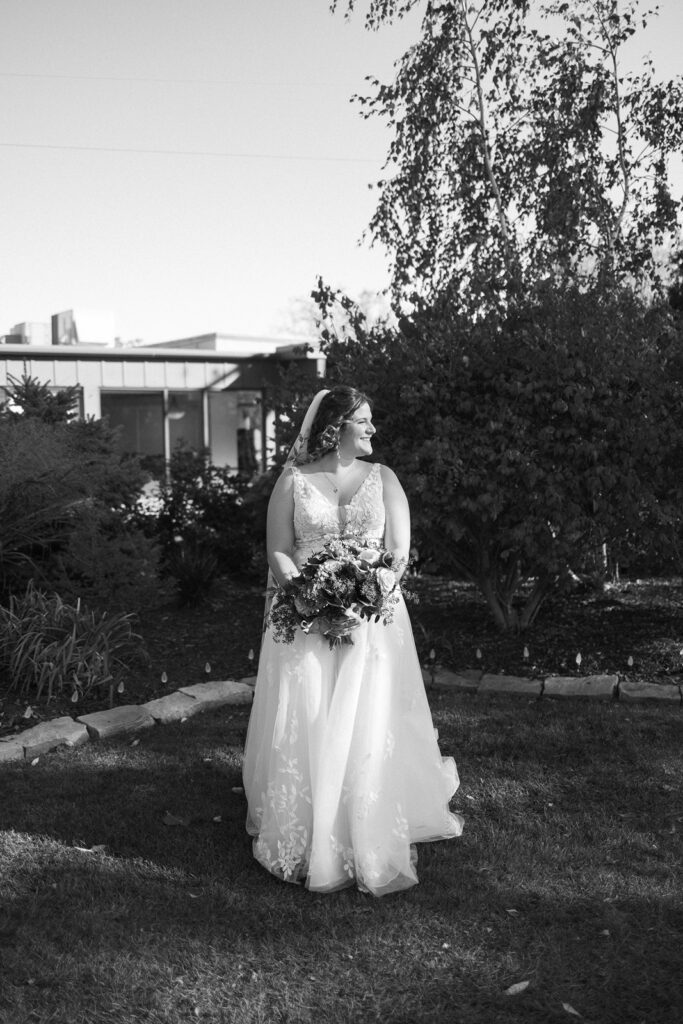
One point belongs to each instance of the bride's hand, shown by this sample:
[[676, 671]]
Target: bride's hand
[[343, 625]]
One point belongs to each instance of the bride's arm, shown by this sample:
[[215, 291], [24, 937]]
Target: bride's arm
[[397, 526], [280, 529]]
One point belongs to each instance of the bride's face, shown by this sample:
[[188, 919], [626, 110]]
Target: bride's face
[[356, 437]]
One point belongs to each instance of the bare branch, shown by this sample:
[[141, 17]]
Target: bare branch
[[490, 173], [625, 170]]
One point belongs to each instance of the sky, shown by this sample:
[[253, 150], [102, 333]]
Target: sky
[[193, 165]]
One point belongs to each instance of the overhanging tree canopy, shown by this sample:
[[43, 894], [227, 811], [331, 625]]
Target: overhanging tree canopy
[[522, 149], [528, 397]]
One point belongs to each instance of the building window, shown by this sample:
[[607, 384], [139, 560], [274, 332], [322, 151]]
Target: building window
[[185, 420], [154, 423], [140, 417], [236, 430]]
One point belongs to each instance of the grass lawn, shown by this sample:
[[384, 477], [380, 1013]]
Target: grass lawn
[[568, 876]]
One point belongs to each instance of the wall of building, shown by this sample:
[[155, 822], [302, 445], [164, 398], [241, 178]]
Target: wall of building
[[221, 398], [120, 369]]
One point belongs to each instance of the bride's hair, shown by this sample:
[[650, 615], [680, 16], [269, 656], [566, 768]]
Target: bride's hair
[[338, 405]]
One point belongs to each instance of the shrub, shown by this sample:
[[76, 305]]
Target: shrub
[[49, 648], [529, 440], [65, 496], [39, 484], [106, 563], [113, 478], [208, 509], [193, 568]]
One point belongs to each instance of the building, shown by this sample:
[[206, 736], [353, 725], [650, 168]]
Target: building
[[207, 392], [83, 327], [27, 333]]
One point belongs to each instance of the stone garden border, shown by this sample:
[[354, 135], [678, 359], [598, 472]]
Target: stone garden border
[[191, 700], [596, 687], [126, 720]]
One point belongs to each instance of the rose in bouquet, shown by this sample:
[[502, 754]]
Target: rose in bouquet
[[337, 588]]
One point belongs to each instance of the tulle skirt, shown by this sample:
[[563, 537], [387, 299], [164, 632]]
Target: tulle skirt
[[342, 769]]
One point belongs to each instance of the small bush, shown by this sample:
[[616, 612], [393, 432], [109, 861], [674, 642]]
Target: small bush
[[39, 484], [107, 563], [65, 497], [194, 569], [210, 509], [49, 648]]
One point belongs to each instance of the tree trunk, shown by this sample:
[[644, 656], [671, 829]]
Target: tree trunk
[[532, 606], [505, 616], [508, 618]]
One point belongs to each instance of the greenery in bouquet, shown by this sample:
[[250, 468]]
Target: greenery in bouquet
[[337, 588]]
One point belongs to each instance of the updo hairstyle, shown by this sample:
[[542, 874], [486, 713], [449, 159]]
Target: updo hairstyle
[[336, 407]]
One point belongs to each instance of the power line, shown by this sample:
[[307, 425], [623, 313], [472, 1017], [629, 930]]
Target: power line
[[177, 81], [194, 152]]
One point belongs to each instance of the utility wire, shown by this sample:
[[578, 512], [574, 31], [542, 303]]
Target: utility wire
[[195, 152], [177, 81]]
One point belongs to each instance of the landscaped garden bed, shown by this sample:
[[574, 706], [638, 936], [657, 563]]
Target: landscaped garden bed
[[638, 620]]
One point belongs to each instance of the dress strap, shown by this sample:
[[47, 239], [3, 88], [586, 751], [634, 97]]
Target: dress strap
[[375, 474], [297, 484]]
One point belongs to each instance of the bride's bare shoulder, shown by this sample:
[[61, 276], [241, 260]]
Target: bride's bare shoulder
[[308, 468], [284, 483], [391, 485], [388, 475]]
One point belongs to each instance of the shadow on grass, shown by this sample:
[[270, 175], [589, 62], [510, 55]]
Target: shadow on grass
[[104, 937], [566, 876]]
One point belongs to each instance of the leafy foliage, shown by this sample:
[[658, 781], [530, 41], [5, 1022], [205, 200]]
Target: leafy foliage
[[529, 399], [194, 569], [527, 440], [50, 648], [39, 484], [107, 561], [521, 149], [202, 518], [65, 493], [113, 479], [29, 398]]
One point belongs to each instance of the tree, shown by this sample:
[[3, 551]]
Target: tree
[[31, 399], [66, 494], [522, 151], [38, 486], [532, 379], [521, 443]]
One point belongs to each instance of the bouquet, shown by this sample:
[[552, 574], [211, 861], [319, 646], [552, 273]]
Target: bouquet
[[338, 587]]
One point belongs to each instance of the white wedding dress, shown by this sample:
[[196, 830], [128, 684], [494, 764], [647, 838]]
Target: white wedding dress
[[342, 770]]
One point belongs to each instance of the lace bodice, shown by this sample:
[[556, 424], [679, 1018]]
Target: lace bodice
[[317, 519]]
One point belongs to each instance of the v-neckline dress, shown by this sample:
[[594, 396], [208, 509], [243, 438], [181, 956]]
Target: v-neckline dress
[[342, 769]]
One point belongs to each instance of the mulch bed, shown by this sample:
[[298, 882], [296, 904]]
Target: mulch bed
[[640, 620]]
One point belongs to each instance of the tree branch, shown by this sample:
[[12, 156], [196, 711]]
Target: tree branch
[[483, 128], [620, 133]]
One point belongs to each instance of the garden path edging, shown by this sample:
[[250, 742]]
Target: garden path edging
[[182, 704], [594, 687], [126, 720]]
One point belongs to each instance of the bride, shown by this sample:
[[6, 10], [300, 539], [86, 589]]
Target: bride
[[342, 770]]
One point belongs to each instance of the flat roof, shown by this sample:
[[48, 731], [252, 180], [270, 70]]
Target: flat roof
[[140, 354]]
